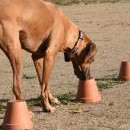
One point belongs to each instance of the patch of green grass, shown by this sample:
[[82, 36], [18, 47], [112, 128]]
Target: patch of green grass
[[100, 1], [67, 98], [2, 108], [109, 81], [34, 102], [109, 84], [66, 2], [25, 76]]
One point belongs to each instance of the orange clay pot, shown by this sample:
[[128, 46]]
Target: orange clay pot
[[88, 91], [124, 73], [17, 116]]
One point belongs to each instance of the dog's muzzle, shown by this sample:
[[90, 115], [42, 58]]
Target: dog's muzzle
[[81, 75]]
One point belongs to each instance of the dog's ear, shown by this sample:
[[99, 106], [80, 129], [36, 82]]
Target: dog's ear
[[69, 55], [91, 51], [66, 57], [66, 54]]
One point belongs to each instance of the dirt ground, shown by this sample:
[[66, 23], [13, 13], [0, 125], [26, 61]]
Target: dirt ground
[[108, 25]]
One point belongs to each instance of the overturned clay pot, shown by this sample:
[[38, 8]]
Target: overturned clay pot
[[17, 116], [124, 73], [88, 91]]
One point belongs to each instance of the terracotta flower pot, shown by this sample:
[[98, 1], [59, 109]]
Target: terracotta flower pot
[[88, 91], [17, 116], [124, 73]]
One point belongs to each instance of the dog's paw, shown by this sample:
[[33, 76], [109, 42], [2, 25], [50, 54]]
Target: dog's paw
[[49, 109], [52, 109], [55, 101]]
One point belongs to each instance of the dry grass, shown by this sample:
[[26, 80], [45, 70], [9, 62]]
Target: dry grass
[[69, 2]]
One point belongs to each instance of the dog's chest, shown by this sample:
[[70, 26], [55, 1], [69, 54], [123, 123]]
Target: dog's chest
[[33, 44]]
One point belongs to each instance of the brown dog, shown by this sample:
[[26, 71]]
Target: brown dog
[[43, 30]]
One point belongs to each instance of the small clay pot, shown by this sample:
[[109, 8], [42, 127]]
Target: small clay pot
[[124, 73], [17, 116], [88, 91]]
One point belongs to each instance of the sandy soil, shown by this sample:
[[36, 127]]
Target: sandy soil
[[108, 25]]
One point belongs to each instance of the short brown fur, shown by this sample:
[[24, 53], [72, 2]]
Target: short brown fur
[[42, 29]]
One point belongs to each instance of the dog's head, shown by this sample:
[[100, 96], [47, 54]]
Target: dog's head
[[81, 57]]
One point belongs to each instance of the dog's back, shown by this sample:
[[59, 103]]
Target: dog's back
[[34, 20], [25, 10]]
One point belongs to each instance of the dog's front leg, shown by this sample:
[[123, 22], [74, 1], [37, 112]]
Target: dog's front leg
[[38, 62], [43, 68], [47, 69]]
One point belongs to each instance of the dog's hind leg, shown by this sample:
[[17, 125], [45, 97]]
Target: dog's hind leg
[[12, 48]]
